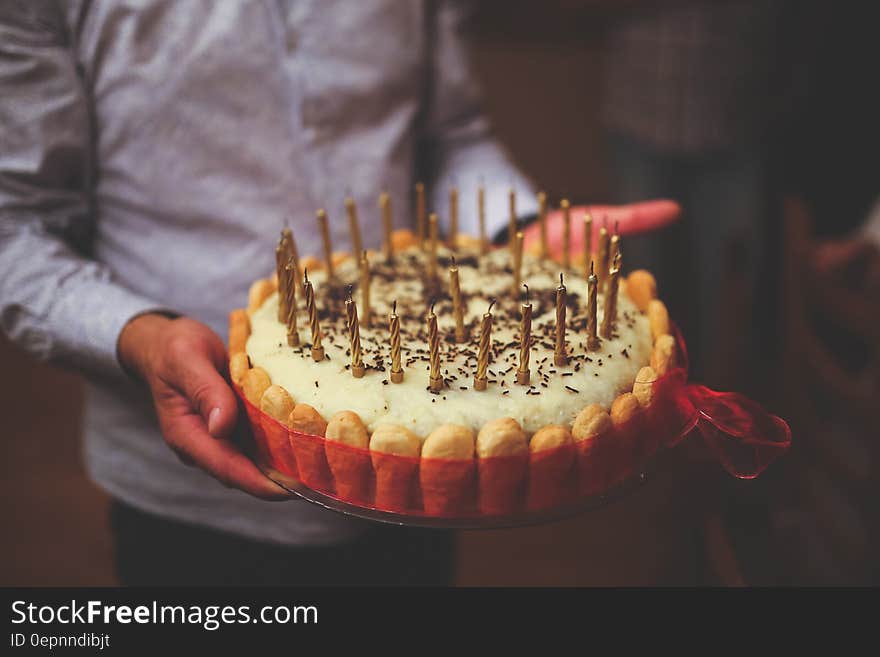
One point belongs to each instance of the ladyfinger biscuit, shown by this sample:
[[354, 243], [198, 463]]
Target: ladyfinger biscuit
[[347, 440], [277, 403], [394, 475], [550, 437], [641, 288], [502, 466], [254, 384], [449, 441], [311, 263], [465, 241], [594, 441], [346, 427], [402, 239], [238, 367], [552, 455], [239, 330], [501, 437], [591, 422], [625, 408], [395, 439], [306, 419], [643, 388], [663, 355], [258, 294], [658, 318], [446, 472]]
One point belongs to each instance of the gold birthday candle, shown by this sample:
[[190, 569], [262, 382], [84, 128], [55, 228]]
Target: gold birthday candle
[[542, 218], [366, 281], [511, 229], [517, 255], [312, 308], [421, 214], [610, 318], [328, 245], [290, 319], [522, 371], [602, 254], [435, 380], [432, 258], [457, 310], [559, 355], [281, 258], [453, 217], [566, 233], [394, 328], [387, 225], [480, 379], [588, 242], [357, 244], [592, 307], [613, 249], [354, 336], [293, 254], [481, 215]]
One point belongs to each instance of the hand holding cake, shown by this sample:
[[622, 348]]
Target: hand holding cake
[[183, 362]]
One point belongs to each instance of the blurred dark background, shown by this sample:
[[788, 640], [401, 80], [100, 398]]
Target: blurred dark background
[[760, 114]]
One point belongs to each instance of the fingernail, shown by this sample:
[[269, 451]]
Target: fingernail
[[213, 419]]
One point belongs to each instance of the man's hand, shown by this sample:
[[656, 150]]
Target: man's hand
[[630, 219], [183, 362]]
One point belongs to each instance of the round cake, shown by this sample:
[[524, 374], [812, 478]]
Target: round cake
[[426, 351]]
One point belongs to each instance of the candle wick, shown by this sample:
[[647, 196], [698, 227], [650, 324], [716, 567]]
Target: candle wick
[[394, 307], [453, 260], [350, 290], [560, 280], [591, 268], [527, 292], [491, 303], [306, 274]]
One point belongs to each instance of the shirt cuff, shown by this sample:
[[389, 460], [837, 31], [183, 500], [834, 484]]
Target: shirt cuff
[[91, 321], [484, 162]]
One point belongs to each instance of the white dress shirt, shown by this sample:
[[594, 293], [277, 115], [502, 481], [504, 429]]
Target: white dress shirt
[[151, 151]]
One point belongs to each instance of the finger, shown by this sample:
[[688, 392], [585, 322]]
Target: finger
[[198, 379], [636, 217], [220, 459], [626, 219]]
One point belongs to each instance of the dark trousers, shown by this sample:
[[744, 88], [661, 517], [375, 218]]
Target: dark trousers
[[154, 551]]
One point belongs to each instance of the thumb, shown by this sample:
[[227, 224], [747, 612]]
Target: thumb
[[208, 393]]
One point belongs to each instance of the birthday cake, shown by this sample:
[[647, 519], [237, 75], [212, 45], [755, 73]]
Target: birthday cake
[[443, 352]]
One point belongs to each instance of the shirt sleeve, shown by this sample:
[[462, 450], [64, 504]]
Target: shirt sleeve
[[463, 150], [55, 302]]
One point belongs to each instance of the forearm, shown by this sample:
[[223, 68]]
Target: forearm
[[57, 305]]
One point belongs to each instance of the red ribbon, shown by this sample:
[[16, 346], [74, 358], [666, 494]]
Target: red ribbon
[[742, 435]]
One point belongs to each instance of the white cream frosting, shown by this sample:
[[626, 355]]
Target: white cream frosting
[[563, 391]]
